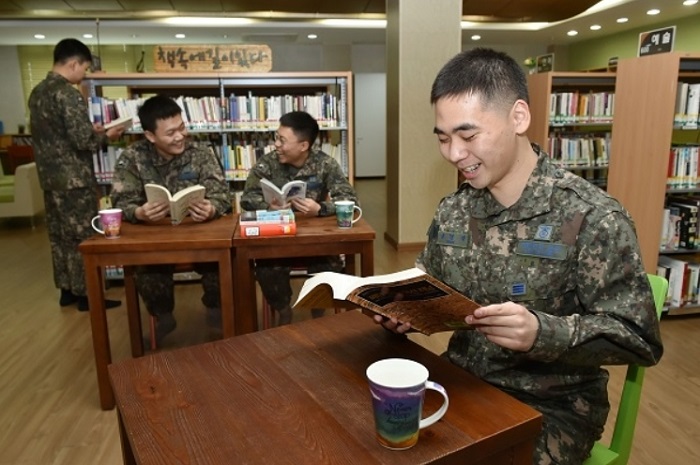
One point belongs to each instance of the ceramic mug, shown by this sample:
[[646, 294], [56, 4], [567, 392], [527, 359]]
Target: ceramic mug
[[344, 213], [111, 221], [398, 387]]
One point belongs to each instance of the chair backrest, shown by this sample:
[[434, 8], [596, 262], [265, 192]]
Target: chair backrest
[[626, 419]]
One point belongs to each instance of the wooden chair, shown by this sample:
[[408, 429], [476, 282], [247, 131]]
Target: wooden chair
[[618, 452]]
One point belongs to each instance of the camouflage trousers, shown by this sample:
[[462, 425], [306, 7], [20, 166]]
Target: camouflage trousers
[[156, 286], [273, 275], [68, 216], [567, 437]]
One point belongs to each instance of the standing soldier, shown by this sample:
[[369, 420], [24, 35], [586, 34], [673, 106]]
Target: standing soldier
[[166, 157], [64, 141], [295, 159]]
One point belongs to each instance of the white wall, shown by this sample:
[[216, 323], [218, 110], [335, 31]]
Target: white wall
[[12, 111]]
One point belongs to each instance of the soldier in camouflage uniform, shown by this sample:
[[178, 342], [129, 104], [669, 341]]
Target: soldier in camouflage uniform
[[553, 259], [64, 141], [167, 158], [294, 158]]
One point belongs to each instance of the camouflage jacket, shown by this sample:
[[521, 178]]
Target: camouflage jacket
[[139, 164], [323, 175], [568, 252], [62, 134]]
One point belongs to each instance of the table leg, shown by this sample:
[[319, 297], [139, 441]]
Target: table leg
[[100, 333], [367, 259], [226, 294], [246, 311], [133, 312]]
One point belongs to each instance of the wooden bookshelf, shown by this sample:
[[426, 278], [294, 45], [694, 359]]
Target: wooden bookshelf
[[643, 134], [221, 85]]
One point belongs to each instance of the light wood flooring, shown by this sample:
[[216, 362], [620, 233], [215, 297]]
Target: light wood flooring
[[49, 409]]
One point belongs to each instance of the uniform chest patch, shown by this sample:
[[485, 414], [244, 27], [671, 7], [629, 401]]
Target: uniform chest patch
[[453, 238], [553, 251]]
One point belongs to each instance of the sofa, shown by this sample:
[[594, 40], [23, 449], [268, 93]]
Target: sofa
[[24, 197]]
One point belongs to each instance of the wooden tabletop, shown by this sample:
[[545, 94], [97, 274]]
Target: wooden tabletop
[[298, 395], [149, 237]]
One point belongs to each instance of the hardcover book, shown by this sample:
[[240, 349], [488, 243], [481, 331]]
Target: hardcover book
[[179, 202], [410, 296]]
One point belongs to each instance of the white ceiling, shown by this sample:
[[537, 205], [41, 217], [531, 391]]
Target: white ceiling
[[19, 31]]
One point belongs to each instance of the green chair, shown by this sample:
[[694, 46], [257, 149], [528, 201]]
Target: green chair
[[618, 453]]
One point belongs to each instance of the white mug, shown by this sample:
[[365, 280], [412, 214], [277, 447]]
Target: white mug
[[344, 213]]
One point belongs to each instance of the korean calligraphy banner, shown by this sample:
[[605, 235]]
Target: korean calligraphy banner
[[239, 58]]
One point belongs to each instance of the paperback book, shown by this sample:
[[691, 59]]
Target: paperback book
[[261, 223], [410, 296], [292, 189], [179, 202]]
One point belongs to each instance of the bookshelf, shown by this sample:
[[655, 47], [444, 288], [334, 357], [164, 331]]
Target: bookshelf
[[222, 131], [643, 134], [571, 119]]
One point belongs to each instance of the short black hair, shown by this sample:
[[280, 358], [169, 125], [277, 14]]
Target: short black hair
[[304, 125], [494, 76], [71, 48], [155, 108]]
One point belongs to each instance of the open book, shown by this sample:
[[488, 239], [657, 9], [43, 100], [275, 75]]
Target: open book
[[179, 202], [289, 191], [124, 121], [410, 296]]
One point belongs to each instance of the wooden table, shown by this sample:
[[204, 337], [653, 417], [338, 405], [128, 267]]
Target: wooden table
[[152, 244], [297, 394], [315, 237]]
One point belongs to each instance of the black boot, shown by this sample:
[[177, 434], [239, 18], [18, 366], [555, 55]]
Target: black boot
[[67, 298], [83, 305]]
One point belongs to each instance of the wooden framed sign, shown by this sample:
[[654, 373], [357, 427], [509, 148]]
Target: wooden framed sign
[[240, 58], [656, 41]]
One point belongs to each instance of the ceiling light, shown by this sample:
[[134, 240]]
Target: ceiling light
[[572, 33], [596, 27], [180, 36], [690, 2], [622, 20], [654, 11], [203, 21], [476, 37], [364, 23], [312, 36], [87, 36], [39, 36]]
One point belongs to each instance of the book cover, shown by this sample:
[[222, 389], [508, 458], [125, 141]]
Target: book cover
[[179, 202], [411, 296], [125, 121], [274, 194], [268, 216], [263, 229]]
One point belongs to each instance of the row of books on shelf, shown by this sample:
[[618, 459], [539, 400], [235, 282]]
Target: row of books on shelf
[[687, 114], [683, 167], [581, 107], [683, 277], [579, 150], [679, 230], [104, 161], [232, 112]]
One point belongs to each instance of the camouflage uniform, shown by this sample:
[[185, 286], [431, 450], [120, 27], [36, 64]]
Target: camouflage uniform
[[64, 142], [325, 182], [138, 165], [592, 298]]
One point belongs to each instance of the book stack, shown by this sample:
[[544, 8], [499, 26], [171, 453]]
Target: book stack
[[261, 223]]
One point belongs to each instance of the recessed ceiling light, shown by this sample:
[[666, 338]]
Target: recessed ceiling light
[[572, 33], [622, 20], [39, 36], [312, 36], [690, 2], [653, 11], [596, 27], [476, 37], [87, 36], [180, 36]]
